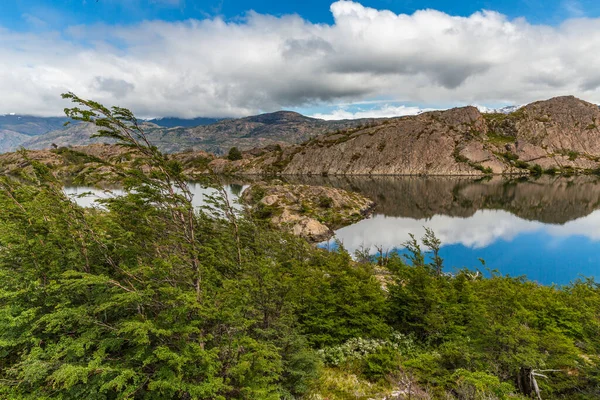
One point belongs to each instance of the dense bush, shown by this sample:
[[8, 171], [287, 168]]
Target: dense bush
[[234, 154]]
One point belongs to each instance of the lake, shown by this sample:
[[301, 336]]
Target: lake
[[547, 229]]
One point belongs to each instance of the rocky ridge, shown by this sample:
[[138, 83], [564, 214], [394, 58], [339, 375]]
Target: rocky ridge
[[556, 135]]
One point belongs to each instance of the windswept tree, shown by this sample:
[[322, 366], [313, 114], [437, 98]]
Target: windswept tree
[[149, 298]]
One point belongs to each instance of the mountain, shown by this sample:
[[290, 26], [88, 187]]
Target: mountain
[[11, 140], [29, 125], [560, 134], [173, 122], [16, 129], [279, 128], [74, 134]]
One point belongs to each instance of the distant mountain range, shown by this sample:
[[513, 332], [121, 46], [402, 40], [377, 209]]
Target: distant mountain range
[[175, 135], [555, 136], [172, 122], [172, 134]]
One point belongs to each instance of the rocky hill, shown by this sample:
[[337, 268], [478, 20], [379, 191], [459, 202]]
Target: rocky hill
[[92, 164], [279, 128], [556, 135], [16, 129]]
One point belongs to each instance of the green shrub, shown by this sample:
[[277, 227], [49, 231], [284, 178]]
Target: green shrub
[[521, 164], [325, 202], [380, 363], [499, 139], [234, 154], [536, 170]]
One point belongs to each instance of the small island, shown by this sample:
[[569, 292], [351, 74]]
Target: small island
[[311, 212]]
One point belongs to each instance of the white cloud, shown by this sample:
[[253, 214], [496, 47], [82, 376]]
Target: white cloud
[[385, 111], [480, 230], [264, 63]]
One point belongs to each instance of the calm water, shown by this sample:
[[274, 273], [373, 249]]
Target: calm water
[[88, 196], [547, 229]]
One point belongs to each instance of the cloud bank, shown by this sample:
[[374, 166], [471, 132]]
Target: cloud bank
[[261, 63], [385, 111]]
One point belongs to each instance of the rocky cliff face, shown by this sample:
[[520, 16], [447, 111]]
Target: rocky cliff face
[[559, 134]]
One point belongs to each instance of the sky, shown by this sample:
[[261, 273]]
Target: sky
[[330, 59]]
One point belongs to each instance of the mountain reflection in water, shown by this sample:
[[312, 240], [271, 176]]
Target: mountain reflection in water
[[547, 229]]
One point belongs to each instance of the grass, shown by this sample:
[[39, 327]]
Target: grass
[[497, 139]]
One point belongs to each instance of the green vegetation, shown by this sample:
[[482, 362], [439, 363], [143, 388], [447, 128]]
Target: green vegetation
[[199, 163], [498, 139], [234, 154], [571, 154], [536, 170], [76, 157], [151, 299]]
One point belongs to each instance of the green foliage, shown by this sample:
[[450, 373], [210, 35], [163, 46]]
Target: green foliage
[[474, 325], [151, 299], [76, 157], [521, 164], [536, 170], [480, 385], [340, 300], [263, 211], [499, 139], [572, 155], [325, 202], [509, 156], [148, 298], [234, 154]]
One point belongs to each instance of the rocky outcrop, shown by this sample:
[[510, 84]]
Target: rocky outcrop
[[96, 163], [311, 212], [559, 134]]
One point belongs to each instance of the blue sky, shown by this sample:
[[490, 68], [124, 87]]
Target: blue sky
[[333, 59], [35, 14]]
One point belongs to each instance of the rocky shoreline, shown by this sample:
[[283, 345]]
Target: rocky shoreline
[[311, 212]]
